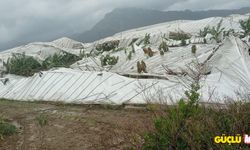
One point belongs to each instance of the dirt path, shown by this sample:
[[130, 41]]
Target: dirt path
[[73, 127]]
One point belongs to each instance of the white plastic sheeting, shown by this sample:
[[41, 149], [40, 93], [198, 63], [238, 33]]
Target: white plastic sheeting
[[229, 73], [73, 86]]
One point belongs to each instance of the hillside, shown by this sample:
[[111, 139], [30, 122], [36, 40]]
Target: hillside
[[128, 18]]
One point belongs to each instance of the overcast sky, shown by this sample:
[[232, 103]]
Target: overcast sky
[[45, 20]]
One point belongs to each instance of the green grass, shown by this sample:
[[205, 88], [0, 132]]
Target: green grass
[[6, 129], [42, 120]]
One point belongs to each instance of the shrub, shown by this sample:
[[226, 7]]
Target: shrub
[[22, 65], [144, 66], [169, 129], [148, 51], [179, 36], [163, 46], [217, 31], [133, 41], [191, 126], [129, 55], [42, 120], [183, 42], [245, 26], [147, 39], [141, 67], [139, 43], [164, 36], [133, 48], [204, 41], [228, 33], [6, 129], [108, 46], [193, 49], [109, 60], [204, 32], [161, 53], [139, 70], [62, 59], [82, 54]]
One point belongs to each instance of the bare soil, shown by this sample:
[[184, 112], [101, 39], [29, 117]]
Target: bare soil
[[74, 127]]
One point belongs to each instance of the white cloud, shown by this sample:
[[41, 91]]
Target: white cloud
[[209, 4]]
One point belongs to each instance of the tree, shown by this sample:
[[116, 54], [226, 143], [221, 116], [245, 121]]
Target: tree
[[217, 31], [245, 26]]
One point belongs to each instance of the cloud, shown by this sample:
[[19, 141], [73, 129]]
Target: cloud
[[23, 21], [210, 4]]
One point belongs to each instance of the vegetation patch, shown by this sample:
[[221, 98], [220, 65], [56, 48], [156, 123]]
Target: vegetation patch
[[148, 51], [63, 59], [6, 129], [129, 57], [179, 36], [163, 46], [204, 32], [141, 67], [183, 42], [228, 32], [145, 40], [193, 49], [245, 26], [133, 41], [22, 65], [162, 53], [42, 120], [108, 46], [109, 60], [217, 31], [189, 125]]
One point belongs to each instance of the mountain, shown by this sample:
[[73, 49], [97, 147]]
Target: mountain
[[128, 18]]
